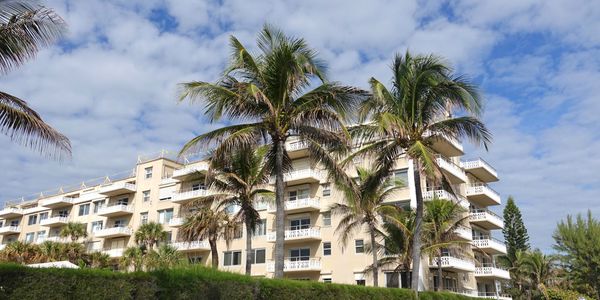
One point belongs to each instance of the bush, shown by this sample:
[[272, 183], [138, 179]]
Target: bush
[[559, 294], [18, 282]]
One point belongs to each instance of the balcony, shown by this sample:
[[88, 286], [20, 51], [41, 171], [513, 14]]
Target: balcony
[[117, 188], [308, 175], [454, 173], [297, 265], [191, 246], [443, 194], [464, 233], [9, 230], [55, 221], [115, 210], [486, 219], [113, 232], [176, 222], [185, 196], [447, 146], [296, 149], [299, 205], [113, 253], [453, 264], [56, 239], [482, 195], [297, 235], [492, 272], [56, 202], [11, 212], [480, 169], [189, 171], [489, 245], [492, 295]]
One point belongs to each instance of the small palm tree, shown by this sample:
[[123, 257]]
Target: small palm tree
[[149, 234], [238, 180], [540, 269], [365, 204], [51, 251], [20, 252], [165, 257], [211, 225], [98, 260], [74, 230], [73, 251], [411, 116], [442, 219], [272, 90], [25, 27], [133, 257]]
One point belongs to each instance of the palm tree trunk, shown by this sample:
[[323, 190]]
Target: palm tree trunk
[[280, 211], [248, 248], [375, 261], [416, 250], [214, 254], [439, 272]]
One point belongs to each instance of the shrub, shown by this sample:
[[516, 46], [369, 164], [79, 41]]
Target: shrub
[[560, 294]]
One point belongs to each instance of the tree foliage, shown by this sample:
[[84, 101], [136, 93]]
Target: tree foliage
[[515, 232]]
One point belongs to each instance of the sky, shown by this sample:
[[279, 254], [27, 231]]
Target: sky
[[111, 84]]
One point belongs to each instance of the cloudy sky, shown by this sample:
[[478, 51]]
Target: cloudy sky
[[110, 85]]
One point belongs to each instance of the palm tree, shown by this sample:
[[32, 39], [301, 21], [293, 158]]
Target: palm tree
[[74, 230], [133, 256], [411, 116], [540, 269], [272, 89], [25, 27], [98, 259], [211, 225], [20, 252], [237, 181], [51, 251], [165, 257], [150, 234], [73, 251], [365, 204], [518, 274], [442, 219]]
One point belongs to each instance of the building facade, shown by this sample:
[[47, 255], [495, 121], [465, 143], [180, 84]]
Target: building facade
[[156, 189]]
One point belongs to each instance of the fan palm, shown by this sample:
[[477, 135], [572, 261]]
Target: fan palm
[[133, 257], [73, 251], [24, 28], [98, 259], [75, 230], [365, 204], [209, 224], [237, 180], [165, 257], [408, 118], [20, 252], [51, 251], [442, 219], [149, 234], [272, 90]]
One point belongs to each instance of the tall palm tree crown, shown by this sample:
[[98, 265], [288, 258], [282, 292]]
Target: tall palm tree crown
[[24, 28], [408, 118], [149, 235], [74, 230], [281, 92]]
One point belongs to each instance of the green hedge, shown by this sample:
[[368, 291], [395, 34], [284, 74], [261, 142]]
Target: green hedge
[[17, 282]]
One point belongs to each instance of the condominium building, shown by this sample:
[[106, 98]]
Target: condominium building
[[156, 190]]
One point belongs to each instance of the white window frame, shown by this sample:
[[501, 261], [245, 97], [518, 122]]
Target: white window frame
[[361, 246], [148, 172], [146, 195]]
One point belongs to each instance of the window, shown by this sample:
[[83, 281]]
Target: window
[[63, 213], [238, 231], [392, 280], [123, 201], [360, 282], [148, 172], [327, 279], [165, 215], [327, 219], [32, 220], [300, 254], [402, 175], [261, 228], [43, 216], [257, 256], [29, 237], [84, 209], [146, 196], [198, 186], [14, 223], [195, 260], [41, 236], [326, 190], [96, 225], [300, 224], [232, 258], [98, 205], [144, 218], [169, 236], [359, 246], [119, 223], [326, 248], [298, 194]]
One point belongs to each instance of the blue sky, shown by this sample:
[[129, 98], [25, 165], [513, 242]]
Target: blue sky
[[110, 85]]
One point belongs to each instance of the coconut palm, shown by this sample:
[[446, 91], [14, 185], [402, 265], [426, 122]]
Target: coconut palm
[[25, 27], [149, 234], [365, 204], [237, 180], [133, 257], [441, 220], [273, 90], [209, 224], [75, 230], [51, 251], [540, 269], [20, 252], [408, 118], [165, 257]]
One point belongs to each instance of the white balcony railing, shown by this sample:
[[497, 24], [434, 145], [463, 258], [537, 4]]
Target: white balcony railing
[[297, 264], [491, 270], [443, 194], [464, 232], [195, 245], [10, 211], [483, 189], [117, 188], [175, 222], [302, 174], [492, 295], [297, 145], [485, 242], [113, 231], [477, 215], [54, 220], [297, 234], [299, 204], [184, 195], [479, 163], [56, 201], [451, 168], [10, 229], [118, 208], [116, 252], [189, 170], [453, 262]]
